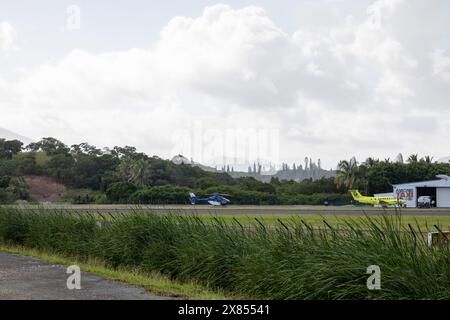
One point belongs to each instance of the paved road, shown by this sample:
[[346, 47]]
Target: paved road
[[246, 210], [27, 278]]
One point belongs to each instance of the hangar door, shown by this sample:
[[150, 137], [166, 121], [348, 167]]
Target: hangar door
[[443, 197], [428, 191]]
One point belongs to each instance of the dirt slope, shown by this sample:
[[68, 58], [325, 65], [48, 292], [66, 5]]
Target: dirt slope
[[45, 189]]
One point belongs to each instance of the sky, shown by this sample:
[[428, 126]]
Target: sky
[[233, 81]]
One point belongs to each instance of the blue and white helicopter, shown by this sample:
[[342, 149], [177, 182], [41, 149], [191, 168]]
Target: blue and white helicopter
[[216, 200]]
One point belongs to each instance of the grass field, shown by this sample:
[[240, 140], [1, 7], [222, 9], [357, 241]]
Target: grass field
[[288, 260], [426, 223], [313, 217]]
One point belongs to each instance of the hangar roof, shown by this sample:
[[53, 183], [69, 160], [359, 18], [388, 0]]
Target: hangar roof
[[441, 183]]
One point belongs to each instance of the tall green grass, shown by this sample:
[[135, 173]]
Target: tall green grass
[[290, 261]]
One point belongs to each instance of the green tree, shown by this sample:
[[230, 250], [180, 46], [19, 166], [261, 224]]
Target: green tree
[[427, 159], [18, 187], [9, 148], [51, 146], [413, 158], [124, 169], [140, 172], [27, 164], [85, 149], [347, 174], [135, 171], [120, 191], [4, 182], [60, 167]]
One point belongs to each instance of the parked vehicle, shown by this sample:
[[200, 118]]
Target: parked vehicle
[[424, 202]]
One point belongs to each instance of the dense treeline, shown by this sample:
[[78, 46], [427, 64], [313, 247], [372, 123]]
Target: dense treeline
[[375, 176], [123, 175]]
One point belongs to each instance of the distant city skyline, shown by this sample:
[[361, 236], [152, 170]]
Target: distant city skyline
[[328, 79]]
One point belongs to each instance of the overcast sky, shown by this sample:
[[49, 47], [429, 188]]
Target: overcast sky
[[325, 79]]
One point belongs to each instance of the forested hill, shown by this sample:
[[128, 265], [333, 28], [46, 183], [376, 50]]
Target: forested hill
[[123, 175]]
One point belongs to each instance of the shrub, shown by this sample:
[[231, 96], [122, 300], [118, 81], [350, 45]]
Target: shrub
[[102, 199], [160, 195], [120, 191], [4, 182]]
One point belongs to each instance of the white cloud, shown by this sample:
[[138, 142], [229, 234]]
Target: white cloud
[[7, 37], [441, 64], [337, 89]]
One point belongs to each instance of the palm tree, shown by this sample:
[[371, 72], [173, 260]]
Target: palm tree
[[427, 159], [361, 177], [347, 174], [124, 169], [140, 172], [413, 158], [135, 171], [370, 162]]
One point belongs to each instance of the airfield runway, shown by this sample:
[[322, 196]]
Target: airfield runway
[[248, 210]]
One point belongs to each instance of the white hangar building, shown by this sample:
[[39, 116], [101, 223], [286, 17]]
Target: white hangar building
[[438, 190]]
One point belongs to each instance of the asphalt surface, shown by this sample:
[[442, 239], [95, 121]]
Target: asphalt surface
[[301, 211], [247, 210], [28, 278]]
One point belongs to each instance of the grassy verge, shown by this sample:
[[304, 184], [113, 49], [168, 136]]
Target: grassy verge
[[154, 283], [290, 260]]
